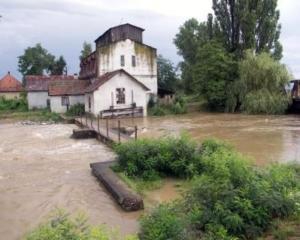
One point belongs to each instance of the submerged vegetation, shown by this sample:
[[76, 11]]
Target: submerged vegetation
[[228, 197], [160, 109]]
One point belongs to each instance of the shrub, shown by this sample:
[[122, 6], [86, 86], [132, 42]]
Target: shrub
[[19, 104], [157, 111], [76, 110], [151, 158], [263, 101], [62, 227], [229, 198], [178, 107], [162, 224]]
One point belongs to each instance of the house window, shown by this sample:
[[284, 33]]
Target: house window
[[133, 61], [65, 101], [122, 60], [120, 97]]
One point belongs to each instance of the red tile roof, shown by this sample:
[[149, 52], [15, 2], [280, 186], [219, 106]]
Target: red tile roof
[[40, 83], [10, 84], [107, 76], [66, 87]]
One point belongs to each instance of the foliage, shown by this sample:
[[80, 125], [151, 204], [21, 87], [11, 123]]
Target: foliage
[[162, 224], [35, 61], [58, 67], [62, 227], [214, 71], [76, 110], [150, 158], [177, 107], [247, 24], [33, 115], [261, 85], [229, 197], [19, 104], [212, 51], [166, 74], [86, 50]]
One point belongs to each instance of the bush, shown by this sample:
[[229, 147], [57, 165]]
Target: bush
[[229, 198], [178, 107], [19, 104], [263, 101], [76, 110], [62, 227], [151, 158], [162, 224]]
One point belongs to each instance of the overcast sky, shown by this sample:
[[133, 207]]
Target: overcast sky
[[61, 26]]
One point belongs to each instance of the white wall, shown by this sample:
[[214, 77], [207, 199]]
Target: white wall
[[102, 98], [37, 99], [56, 103], [146, 66]]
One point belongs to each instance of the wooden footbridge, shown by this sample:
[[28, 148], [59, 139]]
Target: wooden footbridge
[[106, 130], [110, 131]]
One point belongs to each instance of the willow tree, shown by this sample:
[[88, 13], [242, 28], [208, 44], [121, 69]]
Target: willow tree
[[249, 24]]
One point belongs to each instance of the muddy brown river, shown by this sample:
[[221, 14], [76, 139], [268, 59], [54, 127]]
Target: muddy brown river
[[42, 168]]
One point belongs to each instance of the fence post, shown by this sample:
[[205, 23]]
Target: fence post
[[86, 120], [119, 131], [135, 132], [106, 127], [92, 122], [81, 118], [98, 123]]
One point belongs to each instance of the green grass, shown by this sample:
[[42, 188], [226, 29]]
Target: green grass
[[136, 184], [36, 116]]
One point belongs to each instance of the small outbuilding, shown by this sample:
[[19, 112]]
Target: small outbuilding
[[10, 87], [66, 93], [37, 87]]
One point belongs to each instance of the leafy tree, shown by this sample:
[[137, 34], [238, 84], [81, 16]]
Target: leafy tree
[[261, 85], [166, 73], [214, 71], [58, 67], [86, 50], [191, 36], [35, 61], [248, 24]]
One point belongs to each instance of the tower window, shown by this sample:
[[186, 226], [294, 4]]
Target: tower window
[[133, 60], [122, 60], [120, 97]]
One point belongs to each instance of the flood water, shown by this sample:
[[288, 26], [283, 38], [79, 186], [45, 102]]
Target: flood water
[[42, 168], [265, 139]]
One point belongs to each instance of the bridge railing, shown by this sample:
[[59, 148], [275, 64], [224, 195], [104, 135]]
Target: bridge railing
[[112, 128]]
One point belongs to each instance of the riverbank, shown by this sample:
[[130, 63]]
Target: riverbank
[[36, 116]]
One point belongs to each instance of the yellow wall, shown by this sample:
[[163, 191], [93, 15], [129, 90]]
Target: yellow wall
[[10, 95]]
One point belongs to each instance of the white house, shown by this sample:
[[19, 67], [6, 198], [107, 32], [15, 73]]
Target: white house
[[120, 48], [37, 87], [65, 93], [116, 92]]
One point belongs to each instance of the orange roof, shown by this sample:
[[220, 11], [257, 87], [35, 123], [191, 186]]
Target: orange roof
[[10, 84]]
